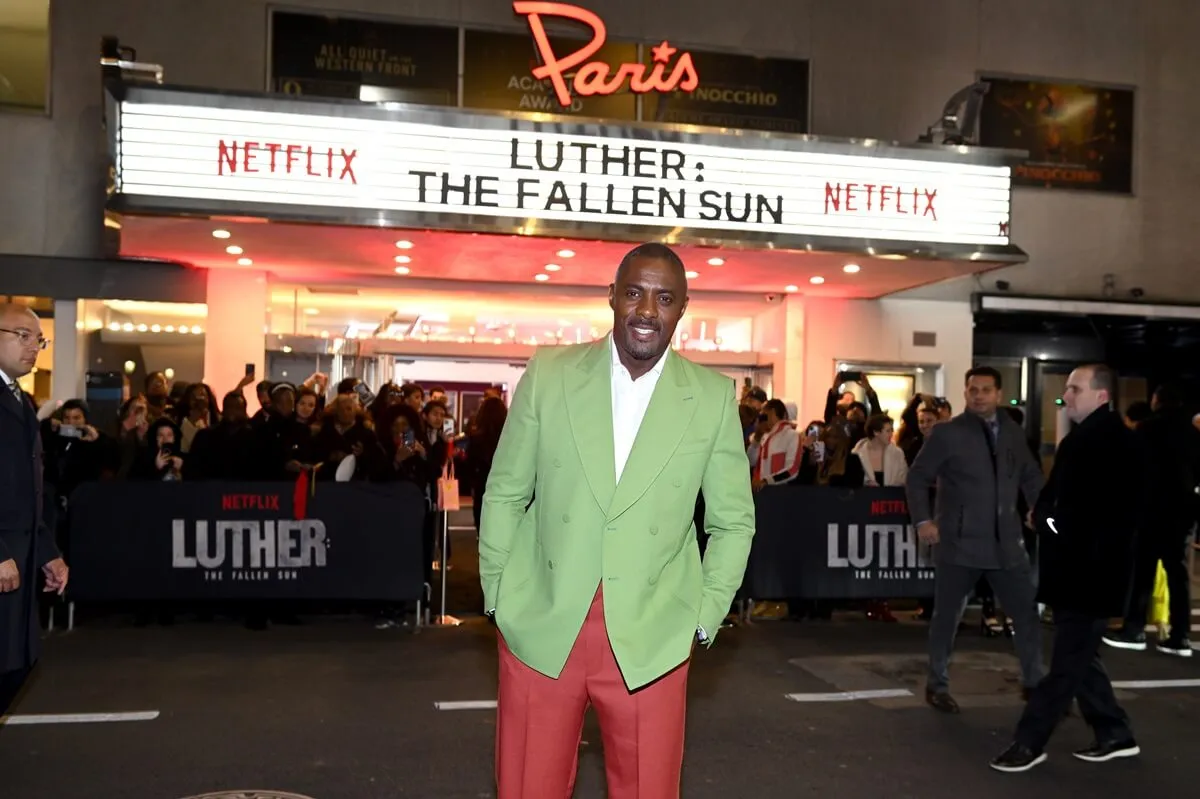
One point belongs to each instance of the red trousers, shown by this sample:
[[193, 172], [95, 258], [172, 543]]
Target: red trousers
[[540, 723]]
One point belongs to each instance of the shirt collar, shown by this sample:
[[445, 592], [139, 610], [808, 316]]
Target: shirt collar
[[5, 378], [656, 370]]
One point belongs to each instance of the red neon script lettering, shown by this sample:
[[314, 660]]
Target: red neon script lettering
[[597, 77]]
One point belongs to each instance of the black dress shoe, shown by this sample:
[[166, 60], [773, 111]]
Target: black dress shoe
[[943, 702], [1109, 750], [1018, 758]]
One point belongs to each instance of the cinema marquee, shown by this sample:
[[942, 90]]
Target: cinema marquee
[[274, 157]]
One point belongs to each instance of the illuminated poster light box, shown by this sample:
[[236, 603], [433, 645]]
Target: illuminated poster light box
[[272, 158]]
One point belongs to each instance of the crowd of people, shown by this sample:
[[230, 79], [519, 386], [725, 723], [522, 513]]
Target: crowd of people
[[181, 433]]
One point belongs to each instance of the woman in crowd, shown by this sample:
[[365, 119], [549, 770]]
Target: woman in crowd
[[883, 462], [197, 411], [308, 408], [160, 457], [485, 437]]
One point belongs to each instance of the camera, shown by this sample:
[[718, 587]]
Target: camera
[[1137, 292]]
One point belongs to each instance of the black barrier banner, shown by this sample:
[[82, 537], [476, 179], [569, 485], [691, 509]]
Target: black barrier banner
[[829, 543], [196, 541]]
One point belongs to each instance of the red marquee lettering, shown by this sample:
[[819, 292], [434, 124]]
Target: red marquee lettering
[[880, 199], [316, 163], [597, 77]]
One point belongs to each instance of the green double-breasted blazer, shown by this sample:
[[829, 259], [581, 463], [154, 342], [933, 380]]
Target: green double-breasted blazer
[[541, 563]]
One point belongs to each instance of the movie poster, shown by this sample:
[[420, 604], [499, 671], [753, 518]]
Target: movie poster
[[737, 91], [1078, 137], [323, 56]]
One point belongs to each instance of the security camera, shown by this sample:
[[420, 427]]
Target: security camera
[[771, 297], [1137, 293], [1003, 285]]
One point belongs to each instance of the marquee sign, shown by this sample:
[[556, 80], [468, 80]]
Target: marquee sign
[[242, 154]]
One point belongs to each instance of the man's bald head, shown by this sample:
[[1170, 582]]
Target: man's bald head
[[20, 334]]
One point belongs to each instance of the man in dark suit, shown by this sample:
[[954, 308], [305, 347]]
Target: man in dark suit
[[979, 462], [25, 542], [1088, 518]]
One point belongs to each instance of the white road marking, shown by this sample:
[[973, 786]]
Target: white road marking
[[477, 704], [851, 696], [77, 718], [1154, 627], [1157, 684]]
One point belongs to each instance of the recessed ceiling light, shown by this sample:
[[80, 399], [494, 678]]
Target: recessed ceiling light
[[716, 261], [221, 234], [566, 253], [196, 330], [233, 249], [155, 328], [404, 244], [244, 262], [791, 289], [403, 259], [816, 280], [691, 275], [541, 278], [142, 328], [312, 311], [184, 329], [127, 327], [402, 270], [851, 269], [552, 267]]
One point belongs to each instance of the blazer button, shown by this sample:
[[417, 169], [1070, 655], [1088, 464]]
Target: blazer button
[[566, 518], [654, 529], [551, 563], [653, 580], [557, 463]]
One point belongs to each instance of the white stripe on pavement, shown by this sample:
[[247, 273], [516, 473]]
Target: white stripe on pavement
[[1154, 627], [851, 696], [1157, 684], [478, 704], [77, 718]]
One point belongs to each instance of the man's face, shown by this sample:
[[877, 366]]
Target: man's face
[[74, 418], [1079, 396], [648, 300], [754, 403], [416, 400], [165, 437], [847, 399], [856, 415], [284, 402], [436, 417], [19, 342], [156, 386], [926, 420], [982, 395], [437, 396], [235, 410], [347, 411]]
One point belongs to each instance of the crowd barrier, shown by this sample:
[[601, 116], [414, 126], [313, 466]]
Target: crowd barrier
[[815, 542], [202, 540]]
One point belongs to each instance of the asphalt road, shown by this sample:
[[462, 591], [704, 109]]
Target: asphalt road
[[336, 709]]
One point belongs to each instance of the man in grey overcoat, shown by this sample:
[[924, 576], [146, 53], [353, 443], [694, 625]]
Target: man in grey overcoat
[[978, 462]]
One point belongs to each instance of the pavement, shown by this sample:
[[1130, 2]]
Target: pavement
[[337, 709]]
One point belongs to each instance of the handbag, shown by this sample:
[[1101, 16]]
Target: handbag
[[447, 488]]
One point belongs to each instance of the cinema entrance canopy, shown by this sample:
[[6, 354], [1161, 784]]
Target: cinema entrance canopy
[[321, 191]]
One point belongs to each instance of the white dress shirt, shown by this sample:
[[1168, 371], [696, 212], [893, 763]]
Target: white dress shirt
[[630, 401]]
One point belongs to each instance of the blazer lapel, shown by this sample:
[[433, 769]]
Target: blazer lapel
[[10, 403], [672, 407], [588, 390]]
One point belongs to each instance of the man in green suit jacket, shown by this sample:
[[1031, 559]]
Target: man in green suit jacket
[[588, 551]]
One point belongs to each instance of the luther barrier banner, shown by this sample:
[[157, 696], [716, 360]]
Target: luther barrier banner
[[830, 543], [197, 541]]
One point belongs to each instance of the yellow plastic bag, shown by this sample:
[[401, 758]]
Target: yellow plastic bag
[[1160, 610]]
